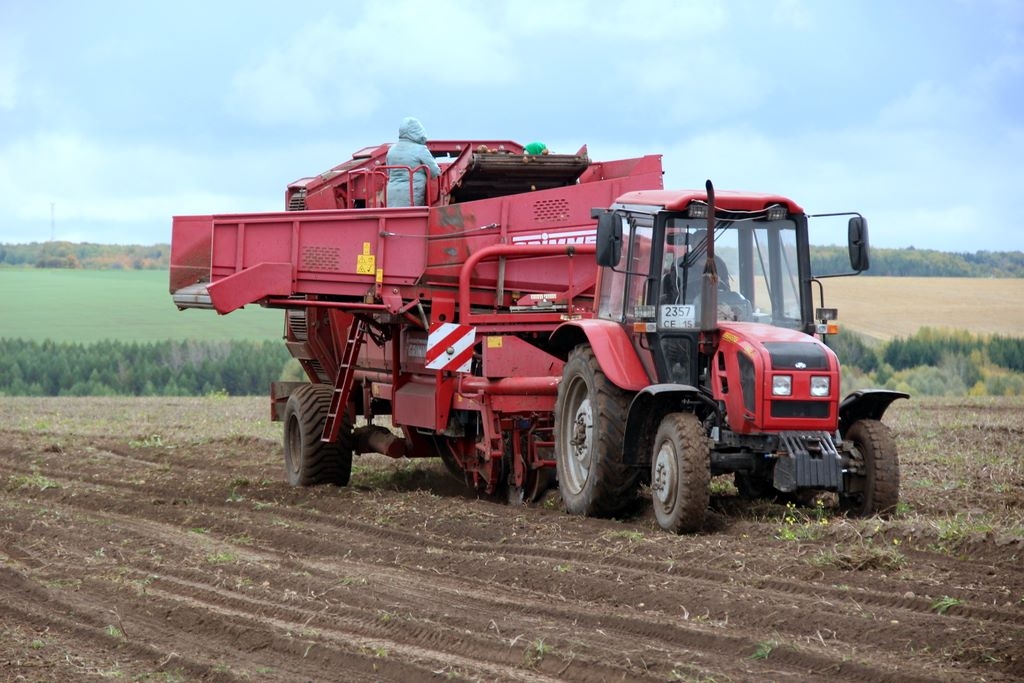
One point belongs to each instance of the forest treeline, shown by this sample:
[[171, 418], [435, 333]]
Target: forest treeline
[[933, 362], [114, 368], [908, 262], [86, 255], [912, 262], [930, 363]]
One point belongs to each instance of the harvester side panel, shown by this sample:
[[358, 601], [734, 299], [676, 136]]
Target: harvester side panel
[[554, 216], [191, 246], [353, 255], [335, 253]]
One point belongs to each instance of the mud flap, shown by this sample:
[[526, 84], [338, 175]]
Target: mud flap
[[812, 461]]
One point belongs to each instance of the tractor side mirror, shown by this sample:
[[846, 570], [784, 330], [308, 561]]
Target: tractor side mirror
[[857, 235], [609, 239]]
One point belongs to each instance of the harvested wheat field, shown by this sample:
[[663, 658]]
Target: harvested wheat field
[[886, 307], [155, 540]]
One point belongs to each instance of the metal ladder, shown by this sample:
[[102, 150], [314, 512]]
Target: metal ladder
[[343, 382]]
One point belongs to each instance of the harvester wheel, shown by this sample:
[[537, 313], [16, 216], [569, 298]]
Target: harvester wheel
[[875, 487], [307, 459], [445, 450], [590, 414], [537, 482], [680, 473]]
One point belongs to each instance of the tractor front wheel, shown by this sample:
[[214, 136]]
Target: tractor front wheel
[[680, 473], [872, 485], [307, 459]]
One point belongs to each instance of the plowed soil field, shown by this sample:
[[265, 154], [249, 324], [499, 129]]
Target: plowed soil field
[[156, 540]]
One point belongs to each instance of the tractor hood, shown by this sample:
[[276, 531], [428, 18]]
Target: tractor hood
[[773, 379]]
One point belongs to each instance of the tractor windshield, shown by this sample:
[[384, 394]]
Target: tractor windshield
[[756, 263]]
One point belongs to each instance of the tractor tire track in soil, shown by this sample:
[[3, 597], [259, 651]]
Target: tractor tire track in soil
[[186, 557]]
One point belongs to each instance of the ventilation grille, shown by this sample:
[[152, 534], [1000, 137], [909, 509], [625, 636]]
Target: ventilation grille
[[547, 210], [297, 325], [319, 370], [297, 202], [320, 258]]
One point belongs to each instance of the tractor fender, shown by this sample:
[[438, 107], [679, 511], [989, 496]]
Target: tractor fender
[[647, 409], [611, 346], [867, 403]]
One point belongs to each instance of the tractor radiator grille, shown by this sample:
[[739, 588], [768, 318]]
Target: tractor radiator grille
[[813, 409]]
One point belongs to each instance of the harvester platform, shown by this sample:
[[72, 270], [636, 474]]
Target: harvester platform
[[487, 174]]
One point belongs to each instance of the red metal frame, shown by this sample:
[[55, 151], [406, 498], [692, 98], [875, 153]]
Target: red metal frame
[[516, 267], [397, 269]]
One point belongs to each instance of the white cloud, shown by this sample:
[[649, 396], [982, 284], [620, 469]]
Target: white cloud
[[128, 192], [8, 87], [328, 70], [697, 84], [792, 14], [930, 104], [8, 73], [773, 97], [917, 187]]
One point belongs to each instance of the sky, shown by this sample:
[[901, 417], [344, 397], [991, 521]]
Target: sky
[[116, 116]]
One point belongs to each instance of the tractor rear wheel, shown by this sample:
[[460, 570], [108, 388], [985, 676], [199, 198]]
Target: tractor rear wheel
[[874, 486], [680, 473], [307, 459], [590, 414]]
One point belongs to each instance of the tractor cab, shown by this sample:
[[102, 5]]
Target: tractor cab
[[715, 297], [659, 284]]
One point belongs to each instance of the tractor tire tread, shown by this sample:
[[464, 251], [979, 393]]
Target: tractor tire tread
[[878, 448], [612, 487]]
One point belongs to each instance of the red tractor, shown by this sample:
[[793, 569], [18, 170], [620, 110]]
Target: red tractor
[[523, 336]]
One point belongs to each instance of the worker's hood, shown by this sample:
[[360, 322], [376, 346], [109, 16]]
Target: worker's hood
[[412, 130]]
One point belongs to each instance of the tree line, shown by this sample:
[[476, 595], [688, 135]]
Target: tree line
[[934, 362], [931, 362], [884, 262], [114, 368], [86, 255], [922, 263]]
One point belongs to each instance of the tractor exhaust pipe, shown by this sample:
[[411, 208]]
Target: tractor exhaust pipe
[[709, 280]]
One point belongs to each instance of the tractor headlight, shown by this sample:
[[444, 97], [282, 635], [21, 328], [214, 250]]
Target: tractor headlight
[[820, 386], [782, 385]]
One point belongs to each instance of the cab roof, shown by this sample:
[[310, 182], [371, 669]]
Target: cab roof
[[731, 200]]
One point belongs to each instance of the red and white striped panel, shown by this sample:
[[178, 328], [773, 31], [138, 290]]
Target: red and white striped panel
[[450, 347]]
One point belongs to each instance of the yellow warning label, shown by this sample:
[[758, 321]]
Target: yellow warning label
[[366, 248], [366, 264], [380, 275], [494, 342]]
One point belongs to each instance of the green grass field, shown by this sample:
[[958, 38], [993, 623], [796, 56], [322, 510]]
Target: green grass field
[[134, 305], [126, 305]]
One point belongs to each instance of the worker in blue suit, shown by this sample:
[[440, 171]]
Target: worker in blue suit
[[410, 152]]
